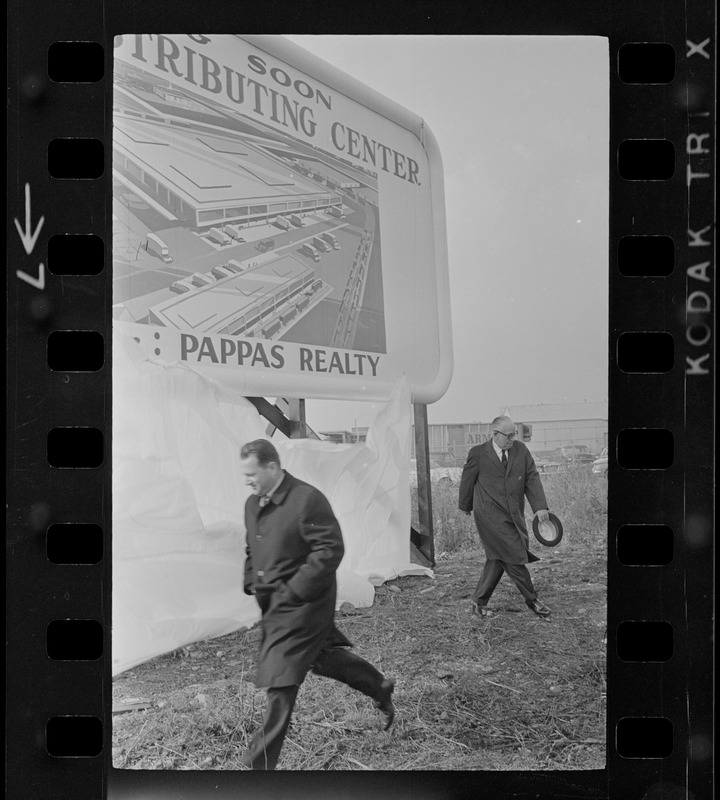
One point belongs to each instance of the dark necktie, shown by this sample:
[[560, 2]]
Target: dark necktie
[[504, 460]]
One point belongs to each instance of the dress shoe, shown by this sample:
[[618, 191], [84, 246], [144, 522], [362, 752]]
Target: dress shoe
[[539, 608], [479, 611], [385, 704]]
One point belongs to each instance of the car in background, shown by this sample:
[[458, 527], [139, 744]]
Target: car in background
[[265, 244], [576, 454], [548, 466], [440, 475], [600, 465]]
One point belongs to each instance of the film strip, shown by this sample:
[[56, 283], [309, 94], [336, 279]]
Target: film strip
[[661, 354]]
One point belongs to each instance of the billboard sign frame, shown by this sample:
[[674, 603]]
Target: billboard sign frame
[[279, 227]]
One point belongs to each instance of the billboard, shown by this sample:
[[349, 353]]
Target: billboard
[[277, 226]]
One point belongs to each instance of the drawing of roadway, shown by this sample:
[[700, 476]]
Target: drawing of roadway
[[356, 298], [143, 283]]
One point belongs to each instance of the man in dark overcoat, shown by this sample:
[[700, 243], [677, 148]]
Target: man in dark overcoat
[[294, 546], [496, 478]]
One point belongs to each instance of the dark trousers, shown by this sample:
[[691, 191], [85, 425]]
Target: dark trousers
[[337, 663], [491, 575]]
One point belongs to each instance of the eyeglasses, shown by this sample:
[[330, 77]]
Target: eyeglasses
[[508, 435]]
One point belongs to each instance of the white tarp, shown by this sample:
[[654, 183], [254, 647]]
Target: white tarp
[[178, 500]]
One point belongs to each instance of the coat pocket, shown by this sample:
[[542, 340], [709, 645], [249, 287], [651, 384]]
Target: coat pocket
[[284, 596]]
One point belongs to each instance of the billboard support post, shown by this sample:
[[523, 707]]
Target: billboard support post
[[287, 416], [296, 413], [423, 539]]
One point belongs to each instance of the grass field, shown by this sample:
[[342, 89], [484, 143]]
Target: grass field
[[508, 692]]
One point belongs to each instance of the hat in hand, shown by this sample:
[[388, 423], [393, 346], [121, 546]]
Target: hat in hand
[[549, 532]]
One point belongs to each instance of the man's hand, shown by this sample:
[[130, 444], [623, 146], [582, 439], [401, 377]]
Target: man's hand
[[542, 514]]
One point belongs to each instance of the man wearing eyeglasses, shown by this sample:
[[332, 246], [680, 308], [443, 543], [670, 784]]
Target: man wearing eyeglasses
[[497, 477]]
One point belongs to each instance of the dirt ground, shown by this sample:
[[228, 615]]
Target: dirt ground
[[509, 692]]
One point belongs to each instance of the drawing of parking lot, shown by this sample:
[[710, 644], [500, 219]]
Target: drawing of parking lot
[[202, 207]]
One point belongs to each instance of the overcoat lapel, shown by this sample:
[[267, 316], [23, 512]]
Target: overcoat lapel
[[491, 455]]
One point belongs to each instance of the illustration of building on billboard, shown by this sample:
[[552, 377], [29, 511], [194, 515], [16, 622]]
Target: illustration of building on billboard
[[224, 225]]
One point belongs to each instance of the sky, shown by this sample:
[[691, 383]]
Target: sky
[[522, 126]]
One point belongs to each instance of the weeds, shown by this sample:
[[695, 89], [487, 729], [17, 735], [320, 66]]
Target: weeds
[[576, 496], [508, 692]]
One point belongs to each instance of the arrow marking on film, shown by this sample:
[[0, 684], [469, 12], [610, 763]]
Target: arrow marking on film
[[28, 237], [39, 282]]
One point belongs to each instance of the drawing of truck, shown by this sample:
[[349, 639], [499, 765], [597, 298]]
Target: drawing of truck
[[320, 244], [281, 222], [288, 314], [201, 279], [181, 286], [217, 236], [334, 211], [296, 220], [309, 251], [155, 245], [331, 240], [234, 232], [235, 266], [221, 271]]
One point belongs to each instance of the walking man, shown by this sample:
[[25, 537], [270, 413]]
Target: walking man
[[294, 547], [496, 478]]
